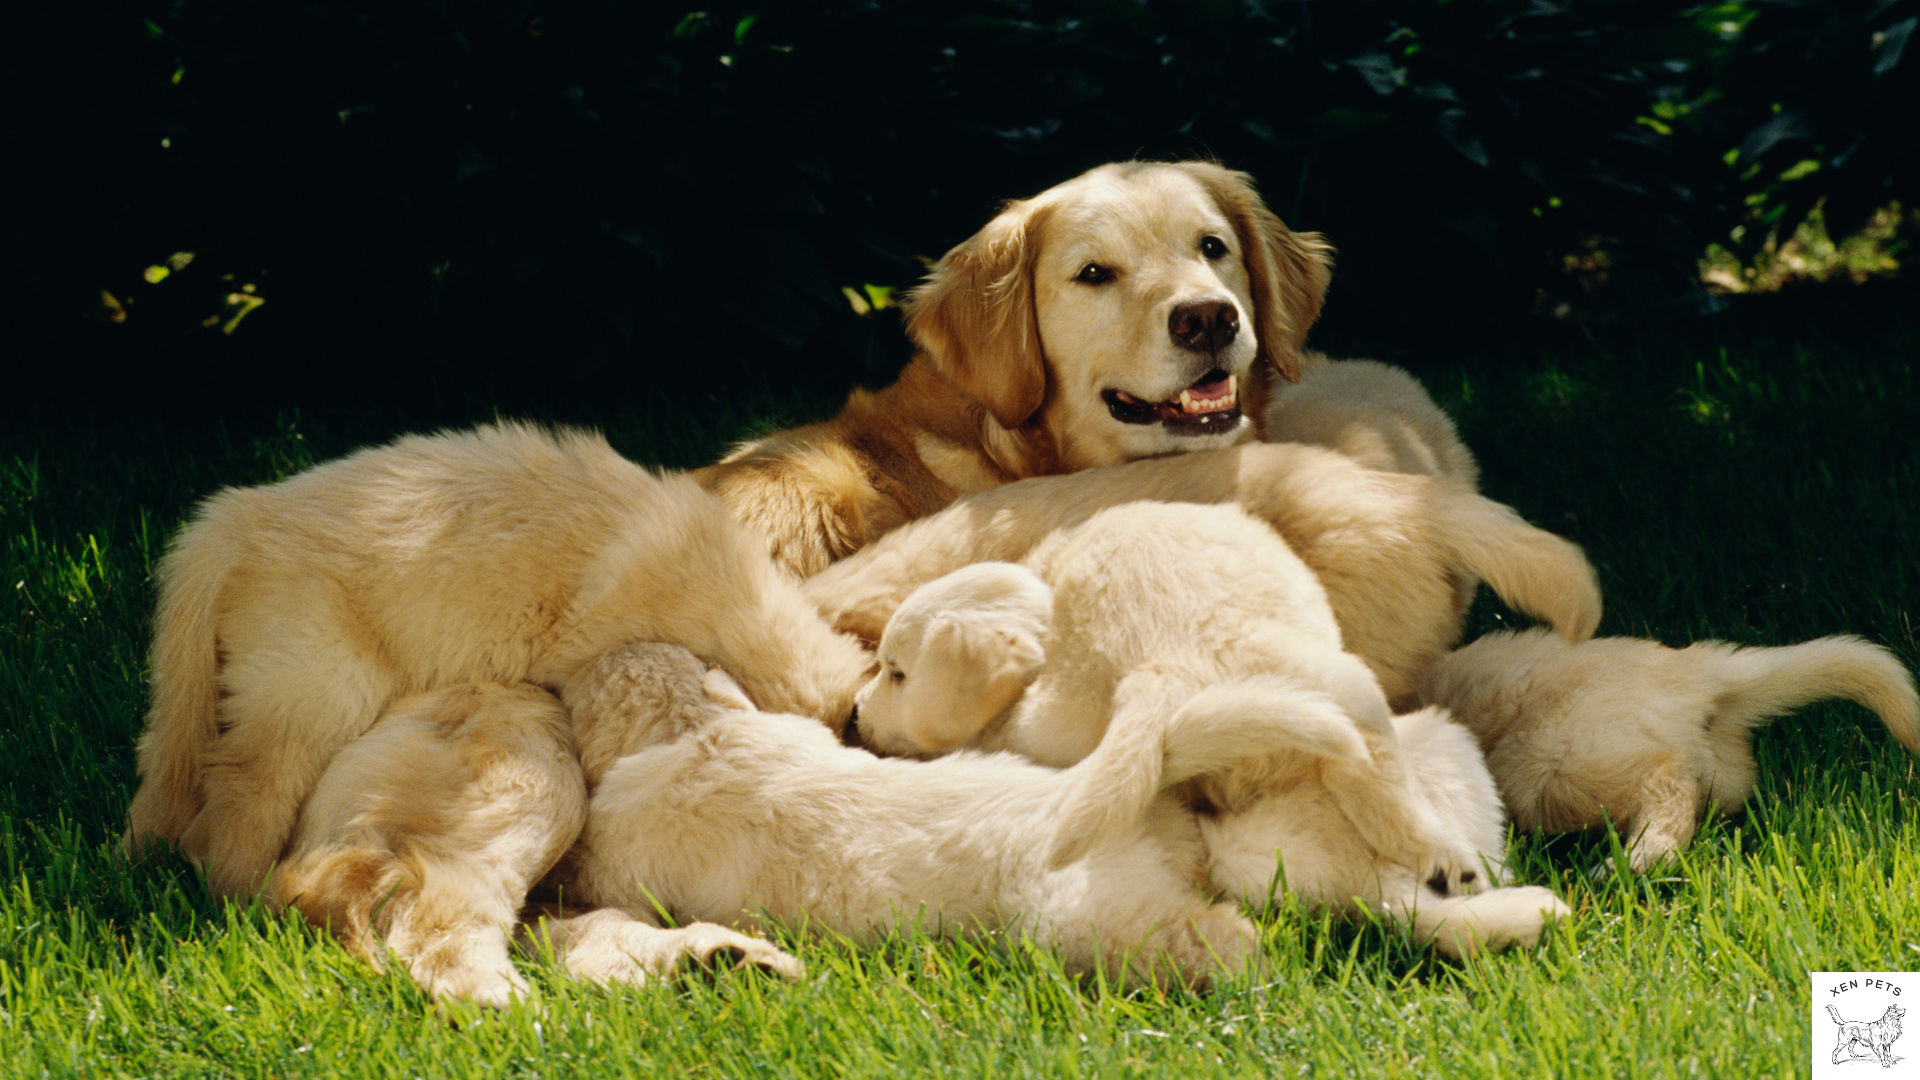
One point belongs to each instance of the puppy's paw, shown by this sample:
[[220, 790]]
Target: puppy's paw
[[612, 946], [1443, 864], [1497, 919], [492, 988], [709, 944], [1455, 871]]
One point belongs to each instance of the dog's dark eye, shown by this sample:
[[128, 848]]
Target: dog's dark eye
[[1093, 274], [1213, 247], [896, 674]]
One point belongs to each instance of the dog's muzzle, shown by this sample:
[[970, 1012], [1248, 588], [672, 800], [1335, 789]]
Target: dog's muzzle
[[1210, 406]]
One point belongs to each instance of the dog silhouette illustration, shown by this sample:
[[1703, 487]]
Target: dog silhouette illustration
[[1859, 1039]]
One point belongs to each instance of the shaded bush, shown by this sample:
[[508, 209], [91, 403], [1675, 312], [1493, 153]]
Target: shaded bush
[[583, 196]]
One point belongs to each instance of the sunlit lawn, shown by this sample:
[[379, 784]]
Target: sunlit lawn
[[1755, 486]]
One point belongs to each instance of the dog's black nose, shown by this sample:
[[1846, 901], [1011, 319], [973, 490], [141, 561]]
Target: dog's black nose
[[1206, 326], [850, 731]]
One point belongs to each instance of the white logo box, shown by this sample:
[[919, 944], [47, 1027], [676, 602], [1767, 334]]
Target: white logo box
[[1873, 1035]]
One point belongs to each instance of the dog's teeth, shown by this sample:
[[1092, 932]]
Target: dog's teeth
[[1191, 404]]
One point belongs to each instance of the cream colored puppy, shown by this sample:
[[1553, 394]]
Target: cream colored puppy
[[738, 816], [1395, 552], [956, 658], [1327, 859], [1379, 416], [1374, 413], [950, 653], [292, 616], [1164, 598], [422, 837], [1646, 737]]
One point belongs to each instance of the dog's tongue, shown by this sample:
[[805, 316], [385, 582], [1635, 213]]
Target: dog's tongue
[[1218, 387]]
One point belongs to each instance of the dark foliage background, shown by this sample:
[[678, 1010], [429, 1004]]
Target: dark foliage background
[[534, 202]]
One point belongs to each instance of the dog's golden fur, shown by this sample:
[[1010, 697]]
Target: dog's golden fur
[[1363, 809], [1393, 550], [423, 836], [1375, 414], [1017, 348], [1137, 311], [1647, 738], [721, 812], [293, 616]]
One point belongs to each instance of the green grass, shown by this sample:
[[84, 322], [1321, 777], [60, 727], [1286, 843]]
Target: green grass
[[1738, 484]]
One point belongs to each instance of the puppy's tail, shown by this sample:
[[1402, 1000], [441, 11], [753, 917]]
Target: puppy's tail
[[183, 720], [1835, 1013], [1168, 730], [1531, 569], [1755, 685]]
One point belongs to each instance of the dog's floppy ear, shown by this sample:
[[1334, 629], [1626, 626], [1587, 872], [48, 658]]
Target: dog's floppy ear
[[974, 316], [1290, 270], [987, 667]]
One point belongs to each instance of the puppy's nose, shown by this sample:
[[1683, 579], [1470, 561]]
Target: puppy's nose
[[1206, 325], [850, 731]]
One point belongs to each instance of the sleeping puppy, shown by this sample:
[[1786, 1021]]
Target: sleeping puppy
[[1647, 738], [1376, 414], [1329, 861], [1395, 552], [421, 838], [961, 652], [736, 816], [1137, 310], [956, 658], [293, 615]]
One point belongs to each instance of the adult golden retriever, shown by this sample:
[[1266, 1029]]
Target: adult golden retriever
[[1149, 310], [1137, 310]]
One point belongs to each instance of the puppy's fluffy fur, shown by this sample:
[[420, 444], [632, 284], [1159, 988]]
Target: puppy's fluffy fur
[[292, 615], [1643, 736], [734, 815], [1137, 310], [1376, 414], [1243, 616], [955, 659], [1395, 552]]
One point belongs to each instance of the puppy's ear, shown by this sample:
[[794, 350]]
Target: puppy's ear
[[974, 316], [1290, 270], [1021, 655], [995, 663]]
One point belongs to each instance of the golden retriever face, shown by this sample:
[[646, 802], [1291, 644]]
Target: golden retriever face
[[1133, 311]]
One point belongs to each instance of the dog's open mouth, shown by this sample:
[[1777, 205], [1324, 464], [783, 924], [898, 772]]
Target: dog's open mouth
[[1209, 406]]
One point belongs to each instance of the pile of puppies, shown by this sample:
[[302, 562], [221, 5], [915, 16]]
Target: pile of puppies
[[1135, 668]]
